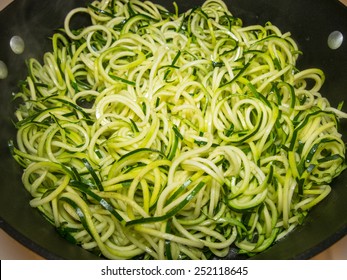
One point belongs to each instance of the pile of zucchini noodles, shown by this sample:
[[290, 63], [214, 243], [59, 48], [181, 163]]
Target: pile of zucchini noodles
[[174, 135]]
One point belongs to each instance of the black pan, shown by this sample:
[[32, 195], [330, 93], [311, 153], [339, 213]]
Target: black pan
[[310, 22]]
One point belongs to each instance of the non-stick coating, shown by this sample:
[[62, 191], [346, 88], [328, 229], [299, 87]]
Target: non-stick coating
[[309, 21]]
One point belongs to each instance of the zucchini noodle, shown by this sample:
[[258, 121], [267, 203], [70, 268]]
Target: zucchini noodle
[[174, 135]]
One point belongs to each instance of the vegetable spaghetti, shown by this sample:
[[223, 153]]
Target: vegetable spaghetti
[[166, 135]]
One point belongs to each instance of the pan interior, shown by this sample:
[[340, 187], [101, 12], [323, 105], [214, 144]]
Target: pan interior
[[33, 23]]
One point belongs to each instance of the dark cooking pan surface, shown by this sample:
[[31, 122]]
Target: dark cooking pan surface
[[310, 23]]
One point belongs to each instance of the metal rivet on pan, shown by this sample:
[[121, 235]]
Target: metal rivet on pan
[[17, 44], [335, 40], [3, 70]]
